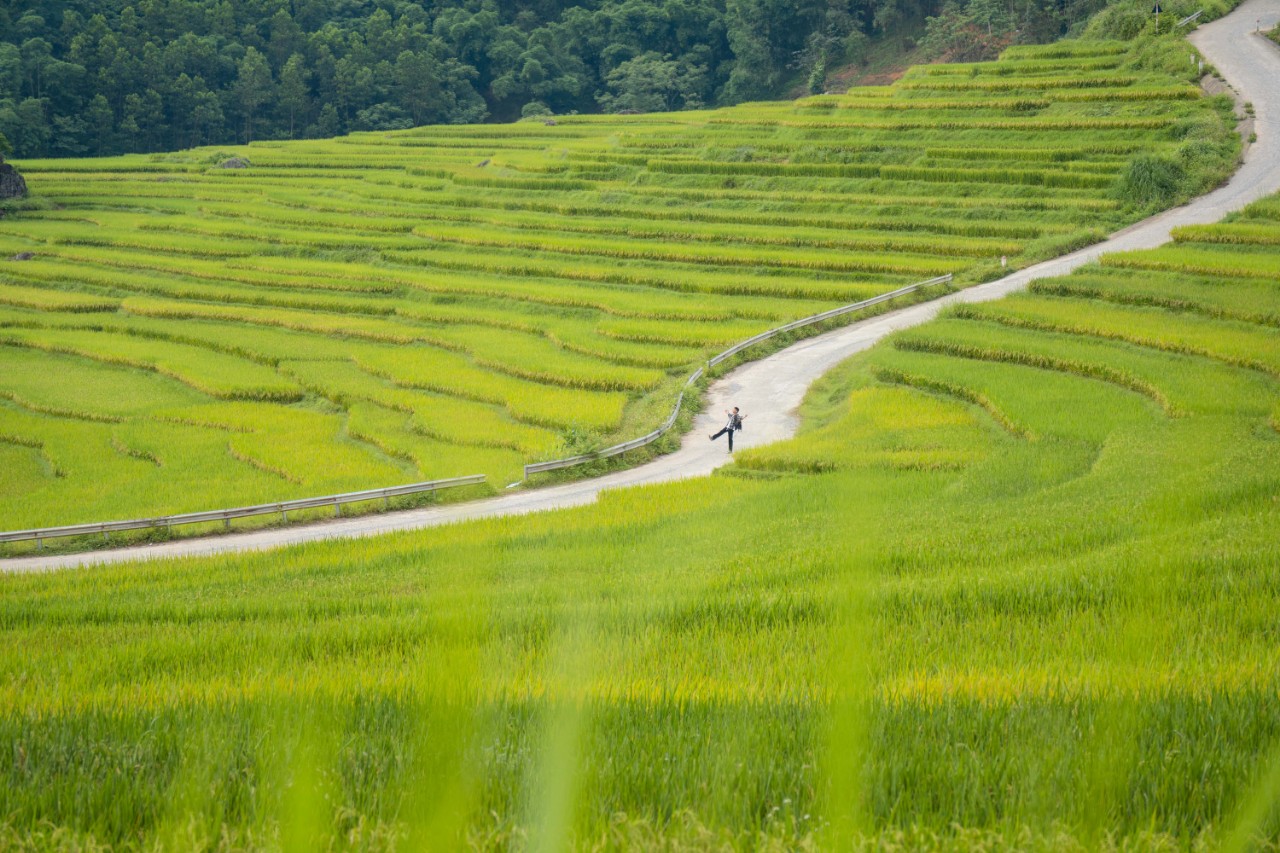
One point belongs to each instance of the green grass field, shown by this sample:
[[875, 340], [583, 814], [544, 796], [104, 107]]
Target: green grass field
[[391, 307], [1013, 587]]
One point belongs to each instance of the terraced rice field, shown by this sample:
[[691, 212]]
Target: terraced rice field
[[1014, 586], [384, 308]]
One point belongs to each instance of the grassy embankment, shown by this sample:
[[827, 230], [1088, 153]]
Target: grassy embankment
[[385, 308], [1015, 585]]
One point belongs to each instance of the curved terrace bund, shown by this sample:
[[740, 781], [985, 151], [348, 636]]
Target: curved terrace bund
[[1014, 586], [417, 345]]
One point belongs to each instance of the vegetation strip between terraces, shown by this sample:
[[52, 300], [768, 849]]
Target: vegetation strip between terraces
[[394, 307]]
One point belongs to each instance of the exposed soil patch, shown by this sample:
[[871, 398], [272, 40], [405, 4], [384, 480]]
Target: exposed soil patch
[[1213, 85]]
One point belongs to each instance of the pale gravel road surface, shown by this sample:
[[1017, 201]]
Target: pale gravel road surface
[[771, 389]]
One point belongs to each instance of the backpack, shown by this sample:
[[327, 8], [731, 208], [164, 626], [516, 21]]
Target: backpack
[[737, 422]]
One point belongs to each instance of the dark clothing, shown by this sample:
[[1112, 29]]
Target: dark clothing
[[734, 424]]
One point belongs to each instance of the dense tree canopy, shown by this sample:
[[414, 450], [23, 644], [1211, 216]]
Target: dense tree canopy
[[87, 77]]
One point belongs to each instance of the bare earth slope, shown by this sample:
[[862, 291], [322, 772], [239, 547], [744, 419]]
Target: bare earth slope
[[769, 390]]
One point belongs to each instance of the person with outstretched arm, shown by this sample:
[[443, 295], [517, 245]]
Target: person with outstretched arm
[[734, 424]]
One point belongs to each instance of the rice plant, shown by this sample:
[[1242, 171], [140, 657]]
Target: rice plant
[[1012, 587], [550, 283]]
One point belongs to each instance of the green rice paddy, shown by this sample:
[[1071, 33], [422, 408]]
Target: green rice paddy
[[393, 307], [1014, 586]]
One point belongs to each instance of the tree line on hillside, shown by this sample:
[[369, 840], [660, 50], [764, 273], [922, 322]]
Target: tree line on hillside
[[81, 78]]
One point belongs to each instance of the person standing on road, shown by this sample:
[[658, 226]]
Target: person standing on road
[[734, 424]]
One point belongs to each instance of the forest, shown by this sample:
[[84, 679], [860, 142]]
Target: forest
[[80, 78]]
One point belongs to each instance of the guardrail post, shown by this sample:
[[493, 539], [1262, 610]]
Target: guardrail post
[[39, 544], [337, 510], [284, 513], [226, 524]]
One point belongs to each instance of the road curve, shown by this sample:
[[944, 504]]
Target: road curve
[[770, 390]]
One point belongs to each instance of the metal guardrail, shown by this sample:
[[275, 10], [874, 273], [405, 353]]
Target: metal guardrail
[[226, 515], [1189, 18], [556, 464], [826, 315]]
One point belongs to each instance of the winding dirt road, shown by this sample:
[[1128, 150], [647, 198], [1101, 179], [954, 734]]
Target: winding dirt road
[[771, 389]]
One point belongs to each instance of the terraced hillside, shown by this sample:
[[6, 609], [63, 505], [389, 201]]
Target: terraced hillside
[[1014, 586], [454, 300]]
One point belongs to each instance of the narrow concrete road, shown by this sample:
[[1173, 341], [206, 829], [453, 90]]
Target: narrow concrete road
[[771, 389]]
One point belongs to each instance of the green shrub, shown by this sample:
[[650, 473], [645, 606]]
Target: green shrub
[[1121, 21], [535, 109], [1149, 180], [1198, 155]]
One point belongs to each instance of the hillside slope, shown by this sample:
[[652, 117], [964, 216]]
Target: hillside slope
[[384, 308], [1015, 586]]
